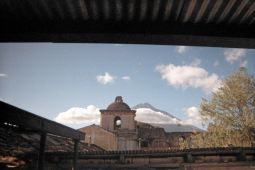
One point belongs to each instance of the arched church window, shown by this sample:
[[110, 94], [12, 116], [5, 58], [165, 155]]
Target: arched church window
[[117, 123]]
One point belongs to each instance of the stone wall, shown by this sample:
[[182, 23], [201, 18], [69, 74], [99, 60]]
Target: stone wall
[[108, 116], [100, 137], [153, 138]]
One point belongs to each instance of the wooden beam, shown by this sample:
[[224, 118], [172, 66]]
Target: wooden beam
[[21, 118], [131, 33]]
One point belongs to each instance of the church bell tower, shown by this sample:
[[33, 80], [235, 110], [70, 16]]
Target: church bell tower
[[120, 119]]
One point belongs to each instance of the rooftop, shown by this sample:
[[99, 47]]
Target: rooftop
[[177, 22], [119, 105]]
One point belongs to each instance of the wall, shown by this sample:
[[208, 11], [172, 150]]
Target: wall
[[195, 159], [100, 137], [219, 166], [127, 119]]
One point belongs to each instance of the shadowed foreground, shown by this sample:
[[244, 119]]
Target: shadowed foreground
[[209, 158]]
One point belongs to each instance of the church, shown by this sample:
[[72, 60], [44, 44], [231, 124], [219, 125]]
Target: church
[[119, 130]]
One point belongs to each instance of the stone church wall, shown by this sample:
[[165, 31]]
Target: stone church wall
[[100, 137]]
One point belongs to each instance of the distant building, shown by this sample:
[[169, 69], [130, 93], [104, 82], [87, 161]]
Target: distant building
[[118, 130]]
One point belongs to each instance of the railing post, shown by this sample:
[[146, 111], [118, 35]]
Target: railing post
[[42, 151], [188, 158], [241, 156], [75, 156]]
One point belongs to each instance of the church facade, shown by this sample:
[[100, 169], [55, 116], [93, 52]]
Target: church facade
[[117, 127], [118, 130]]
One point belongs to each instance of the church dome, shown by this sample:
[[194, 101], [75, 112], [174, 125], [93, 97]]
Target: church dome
[[118, 104]]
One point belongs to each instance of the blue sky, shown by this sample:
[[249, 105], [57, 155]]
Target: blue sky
[[50, 78]]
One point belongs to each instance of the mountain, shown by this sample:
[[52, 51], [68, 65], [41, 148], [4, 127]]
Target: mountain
[[168, 127], [177, 127]]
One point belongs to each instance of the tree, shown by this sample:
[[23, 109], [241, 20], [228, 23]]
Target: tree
[[231, 112]]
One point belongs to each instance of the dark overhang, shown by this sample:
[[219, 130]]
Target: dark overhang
[[221, 23], [21, 119]]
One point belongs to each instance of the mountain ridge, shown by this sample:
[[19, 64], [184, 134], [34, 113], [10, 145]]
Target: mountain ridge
[[148, 105], [168, 127]]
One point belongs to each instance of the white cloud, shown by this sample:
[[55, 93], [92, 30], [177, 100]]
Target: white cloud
[[244, 63], [4, 100], [193, 116], [196, 62], [105, 79], [181, 49], [189, 76], [148, 115], [231, 55], [3, 75], [216, 63], [126, 78], [77, 115], [118, 45], [91, 115]]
